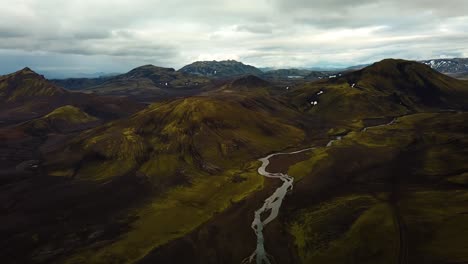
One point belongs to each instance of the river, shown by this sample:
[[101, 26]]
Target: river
[[273, 203]]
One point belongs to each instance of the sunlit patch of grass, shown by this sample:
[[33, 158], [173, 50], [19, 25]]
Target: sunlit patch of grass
[[70, 114], [59, 120]]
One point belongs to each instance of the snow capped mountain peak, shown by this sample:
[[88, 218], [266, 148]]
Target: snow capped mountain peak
[[448, 65]]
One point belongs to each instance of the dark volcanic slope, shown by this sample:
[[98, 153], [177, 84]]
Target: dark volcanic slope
[[220, 69], [25, 95], [411, 81], [35, 112], [387, 88], [25, 85]]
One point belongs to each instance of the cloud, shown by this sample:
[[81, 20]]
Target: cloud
[[256, 28], [6, 32], [95, 35]]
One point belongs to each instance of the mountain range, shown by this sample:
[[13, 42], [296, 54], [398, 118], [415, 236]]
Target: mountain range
[[450, 66], [153, 79], [146, 82], [25, 95], [161, 166]]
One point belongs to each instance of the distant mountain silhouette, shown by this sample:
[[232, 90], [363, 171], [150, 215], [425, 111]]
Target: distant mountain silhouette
[[144, 83], [220, 69]]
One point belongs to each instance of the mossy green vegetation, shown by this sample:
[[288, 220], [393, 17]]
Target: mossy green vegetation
[[318, 157], [169, 138], [384, 89], [350, 229], [175, 214], [61, 120], [191, 151], [341, 102], [338, 131], [419, 161], [70, 114], [438, 140], [26, 83]]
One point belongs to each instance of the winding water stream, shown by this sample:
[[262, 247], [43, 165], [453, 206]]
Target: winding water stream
[[273, 203]]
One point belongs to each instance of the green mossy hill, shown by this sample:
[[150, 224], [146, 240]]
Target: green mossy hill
[[26, 95], [438, 139], [168, 142], [391, 193], [62, 119], [386, 88], [26, 84], [346, 226], [341, 103], [415, 84], [70, 114]]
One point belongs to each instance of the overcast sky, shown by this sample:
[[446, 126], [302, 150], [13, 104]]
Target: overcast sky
[[81, 36]]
